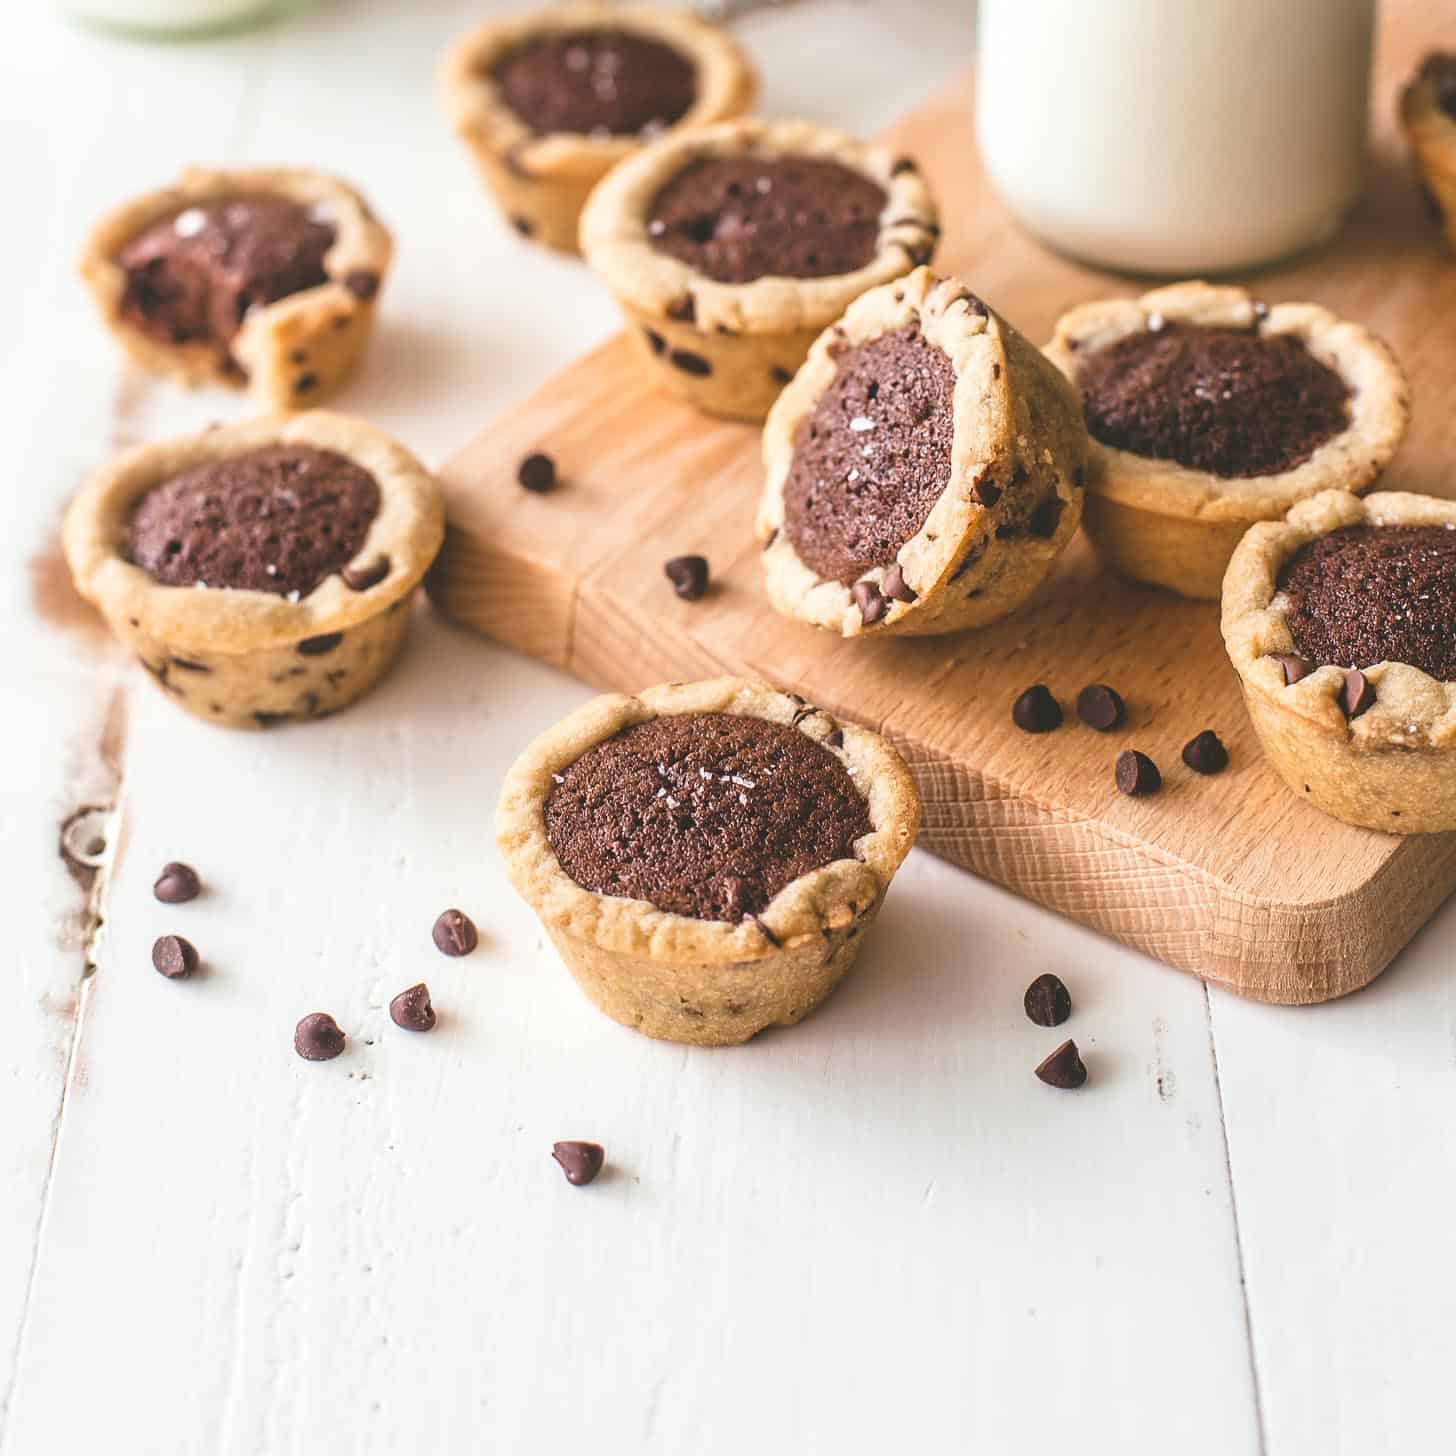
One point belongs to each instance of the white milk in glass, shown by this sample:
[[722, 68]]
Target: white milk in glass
[[1175, 136]]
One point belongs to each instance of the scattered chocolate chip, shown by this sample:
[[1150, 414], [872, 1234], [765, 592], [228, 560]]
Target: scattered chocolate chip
[[412, 1010], [894, 585], [363, 283], [454, 933], [537, 473], [867, 598], [1357, 695], [1137, 773], [1101, 707], [318, 646], [985, 493], [361, 578], [318, 1037], [581, 1162], [690, 363], [655, 341], [684, 310], [1206, 754], [305, 382], [523, 225], [1295, 667], [1036, 710], [177, 884], [174, 957], [1047, 1000], [688, 575], [1064, 1068]]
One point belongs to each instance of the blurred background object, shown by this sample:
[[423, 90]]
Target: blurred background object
[[176, 19], [1166, 138]]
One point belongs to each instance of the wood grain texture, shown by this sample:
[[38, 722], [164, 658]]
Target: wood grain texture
[[1231, 878]]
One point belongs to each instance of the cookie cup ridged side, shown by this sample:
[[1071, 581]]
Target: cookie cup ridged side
[[1393, 767], [1017, 426], [709, 983], [1161, 522], [729, 348], [294, 352], [245, 658], [1432, 137], [541, 182]]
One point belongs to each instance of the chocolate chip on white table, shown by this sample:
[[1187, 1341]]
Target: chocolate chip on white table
[[174, 957], [1137, 774], [454, 933], [688, 575], [1064, 1068], [1047, 1001], [177, 883], [537, 473], [318, 1037], [1036, 710], [1101, 707], [581, 1162], [412, 1009], [1206, 754]]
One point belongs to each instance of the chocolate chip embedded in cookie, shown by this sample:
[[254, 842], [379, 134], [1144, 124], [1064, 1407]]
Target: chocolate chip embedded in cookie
[[1209, 411], [923, 470], [1341, 623], [1428, 115], [264, 277], [261, 571], [730, 249], [550, 101], [706, 856]]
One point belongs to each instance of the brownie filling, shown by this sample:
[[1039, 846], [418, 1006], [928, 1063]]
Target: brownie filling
[[1228, 401], [740, 218], [279, 519], [1371, 594], [1439, 68], [191, 278], [872, 457], [613, 82], [705, 814]]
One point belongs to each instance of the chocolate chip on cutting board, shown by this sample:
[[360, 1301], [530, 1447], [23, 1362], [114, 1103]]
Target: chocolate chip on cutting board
[[1101, 707], [1137, 774], [1206, 754], [1036, 710], [537, 473], [1047, 1001], [688, 575]]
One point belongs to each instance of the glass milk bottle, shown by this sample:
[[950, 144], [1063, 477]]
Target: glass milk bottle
[[1175, 136]]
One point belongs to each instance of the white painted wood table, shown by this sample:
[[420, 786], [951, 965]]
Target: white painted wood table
[[876, 1233]]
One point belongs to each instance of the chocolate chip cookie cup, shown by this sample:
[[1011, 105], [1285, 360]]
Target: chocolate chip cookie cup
[[550, 102], [264, 278], [923, 471], [1428, 116], [706, 856], [261, 572], [729, 249], [1341, 623], [1209, 411]]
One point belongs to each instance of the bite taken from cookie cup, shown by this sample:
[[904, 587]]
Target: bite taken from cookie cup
[[1341, 623], [549, 101], [730, 248], [1209, 410], [923, 471], [261, 278], [1428, 117], [261, 572], [706, 856]]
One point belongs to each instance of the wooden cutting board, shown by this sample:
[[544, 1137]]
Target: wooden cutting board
[[1233, 877]]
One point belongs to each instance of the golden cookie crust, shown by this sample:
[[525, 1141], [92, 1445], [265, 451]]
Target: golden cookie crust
[[1392, 767], [1432, 137], [296, 351], [541, 182], [1160, 522], [747, 339], [709, 982], [247, 658], [1017, 424]]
